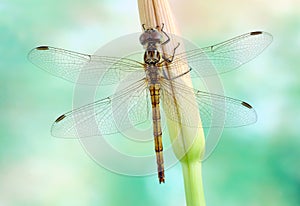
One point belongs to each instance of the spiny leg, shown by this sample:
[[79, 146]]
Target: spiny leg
[[173, 78], [162, 30], [171, 58]]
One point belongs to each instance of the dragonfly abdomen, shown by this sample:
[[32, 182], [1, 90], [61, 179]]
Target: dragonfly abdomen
[[157, 132]]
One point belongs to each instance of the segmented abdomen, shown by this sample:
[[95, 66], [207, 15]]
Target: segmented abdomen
[[157, 133]]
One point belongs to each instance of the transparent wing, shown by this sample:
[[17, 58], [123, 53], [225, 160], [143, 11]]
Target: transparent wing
[[225, 56], [215, 110], [114, 114], [83, 68]]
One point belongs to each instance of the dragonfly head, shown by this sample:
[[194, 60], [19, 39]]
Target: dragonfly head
[[151, 37]]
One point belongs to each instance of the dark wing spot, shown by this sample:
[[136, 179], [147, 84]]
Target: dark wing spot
[[247, 105], [42, 48], [255, 33], [60, 118]]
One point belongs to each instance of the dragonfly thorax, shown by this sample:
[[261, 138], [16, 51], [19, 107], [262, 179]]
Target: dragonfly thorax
[[152, 57], [153, 74]]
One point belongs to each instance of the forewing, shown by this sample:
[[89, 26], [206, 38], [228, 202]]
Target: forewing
[[84, 68], [225, 56]]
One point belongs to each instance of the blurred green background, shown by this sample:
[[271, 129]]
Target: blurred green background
[[256, 165]]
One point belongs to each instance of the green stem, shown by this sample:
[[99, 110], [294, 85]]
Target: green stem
[[193, 183]]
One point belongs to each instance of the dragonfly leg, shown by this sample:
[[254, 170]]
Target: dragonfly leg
[[170, 59], [162, 26], [162, 30], [180, 75]]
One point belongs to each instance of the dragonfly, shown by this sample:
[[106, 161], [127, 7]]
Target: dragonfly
[[150, 85]]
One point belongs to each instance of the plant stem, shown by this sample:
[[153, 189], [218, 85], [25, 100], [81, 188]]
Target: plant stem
[[193, 183]]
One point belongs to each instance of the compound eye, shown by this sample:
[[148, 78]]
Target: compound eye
[[144, 38], [156, 36]]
